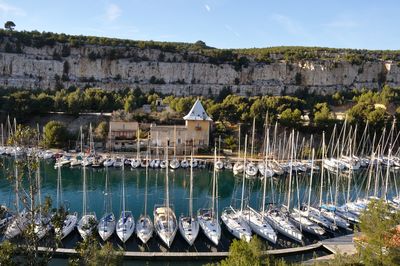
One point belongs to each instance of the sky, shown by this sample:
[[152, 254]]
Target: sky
[[220, 23]]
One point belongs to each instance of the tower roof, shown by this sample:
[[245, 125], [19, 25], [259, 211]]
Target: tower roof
[[197, 112]]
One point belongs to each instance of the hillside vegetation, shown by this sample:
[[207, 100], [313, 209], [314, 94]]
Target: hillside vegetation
[[14, 41]]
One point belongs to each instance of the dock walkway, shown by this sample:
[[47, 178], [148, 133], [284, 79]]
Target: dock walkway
[[342, 245]]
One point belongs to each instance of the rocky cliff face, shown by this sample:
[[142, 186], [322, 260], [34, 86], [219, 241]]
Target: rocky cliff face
[[150, 69]]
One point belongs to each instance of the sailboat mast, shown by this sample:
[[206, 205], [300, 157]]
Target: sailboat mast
[[166, 182], [239, 144], [387, 173], [337, 179], [2, 135], [377, 172], [252, 137], [123, 190], [38, 134], [138, 144], [291, 170], [58, 185], [84, 191], [81, 133], [214, 183], [38, 184], [174, 142], [371, 167], [191, 187], [157, 147], [311, 178], [244, 173], [106, 194], [265, 172], [274, 140], [145, 193], [322, 169]]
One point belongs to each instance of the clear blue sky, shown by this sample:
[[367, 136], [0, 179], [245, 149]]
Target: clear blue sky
[[220, 23]]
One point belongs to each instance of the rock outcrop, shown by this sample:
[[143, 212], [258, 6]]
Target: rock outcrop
[[145, 68]]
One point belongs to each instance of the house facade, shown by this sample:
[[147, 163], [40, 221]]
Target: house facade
[[195, 133], [122, 135]]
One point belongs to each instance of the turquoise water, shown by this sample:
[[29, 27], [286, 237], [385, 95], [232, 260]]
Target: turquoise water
[[229, 194]]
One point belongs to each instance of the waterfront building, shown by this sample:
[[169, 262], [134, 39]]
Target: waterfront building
[[122, 135], [195, 132]]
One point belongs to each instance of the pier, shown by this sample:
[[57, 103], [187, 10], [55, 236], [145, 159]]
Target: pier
[[338, 245]]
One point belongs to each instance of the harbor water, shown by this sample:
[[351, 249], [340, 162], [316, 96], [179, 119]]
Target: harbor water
[[229, 192]]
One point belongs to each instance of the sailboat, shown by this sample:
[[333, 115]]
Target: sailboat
[[188, 225], [136, 162], [255, 219], [70, 220], [144, 227], [233, 219], [41, 221], [303, 222], [106, 226], [208, 217], [174, 163], [21, 219], [165, 222], [88, 222], [312, 213], [279, 219], [126, 222]]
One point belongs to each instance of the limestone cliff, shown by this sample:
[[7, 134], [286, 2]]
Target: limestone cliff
[[169, 72]]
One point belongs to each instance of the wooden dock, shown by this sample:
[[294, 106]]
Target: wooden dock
[[341, 245]]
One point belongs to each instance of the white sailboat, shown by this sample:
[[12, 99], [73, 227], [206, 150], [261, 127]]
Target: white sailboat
[[188, 225], [126, 222], [109, 162], [279, 219], [312, 213], [165, 222], [304, 220], [119, 162], [106, 226], [255, 219], [42, 221], [233, 219], [208, 217], [21, 220], [88, 222], [144, 226], [70, 220]]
